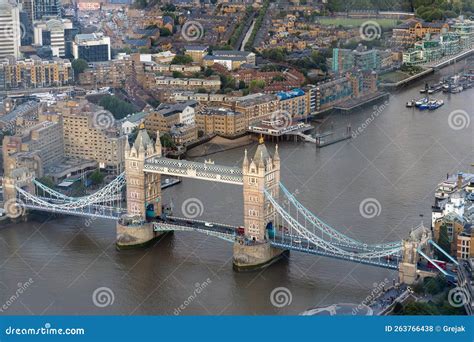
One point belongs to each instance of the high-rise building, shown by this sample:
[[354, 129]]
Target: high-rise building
[[46, 8], [10, 39], [52, 33], [93, 47]]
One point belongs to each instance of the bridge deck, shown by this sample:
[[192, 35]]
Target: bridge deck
[[197, 170]]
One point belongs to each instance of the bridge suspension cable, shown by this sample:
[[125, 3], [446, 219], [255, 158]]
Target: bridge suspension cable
[[112, 188], [331, 232], [328, 247]]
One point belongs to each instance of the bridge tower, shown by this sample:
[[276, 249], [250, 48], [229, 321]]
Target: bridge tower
[[143, 192], [143, 189], [260, 173], [408, 271], [20, 177]]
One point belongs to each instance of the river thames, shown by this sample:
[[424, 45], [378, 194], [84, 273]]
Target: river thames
[[398, 158]]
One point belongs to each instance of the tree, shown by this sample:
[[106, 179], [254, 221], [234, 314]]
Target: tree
[[419, 308], [47, 181], [443, 242], [164, 32], [116, 106], [167, 141], [79, 65], [178, 74], [182, 59], [96, 177]]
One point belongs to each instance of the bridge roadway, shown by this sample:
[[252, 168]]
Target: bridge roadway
[[295, 243]]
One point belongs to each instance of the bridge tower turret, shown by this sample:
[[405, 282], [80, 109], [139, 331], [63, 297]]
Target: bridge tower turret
[[143, 192], [260, 173], [408, 271], [143, 189]]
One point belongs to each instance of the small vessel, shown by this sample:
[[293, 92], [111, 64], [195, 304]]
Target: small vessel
[[420, 102], [435, 104], [455, 90]]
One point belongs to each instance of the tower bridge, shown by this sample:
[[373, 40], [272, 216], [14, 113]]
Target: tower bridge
[[274, 221]]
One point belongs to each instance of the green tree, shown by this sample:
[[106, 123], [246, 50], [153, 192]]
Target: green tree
[[116, 106], [178, 74], [164, 32], [47, 181], [443, 242], [167, 141], [96, 177], [182, 59], [79, 65]]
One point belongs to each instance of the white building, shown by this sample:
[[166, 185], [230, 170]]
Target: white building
[[51, 33], [133, 121], [10, 29], [93, 47]]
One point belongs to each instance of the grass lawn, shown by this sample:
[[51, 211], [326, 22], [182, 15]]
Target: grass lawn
[[355, 22], [393, 77]]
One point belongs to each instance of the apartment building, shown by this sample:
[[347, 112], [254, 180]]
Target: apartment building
[[35, 72], [85, 137], [220, 121]]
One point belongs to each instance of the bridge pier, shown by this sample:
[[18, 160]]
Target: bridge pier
[[132, 235], [255, 256]]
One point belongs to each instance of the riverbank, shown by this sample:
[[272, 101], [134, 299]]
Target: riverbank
[[219, 144]]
